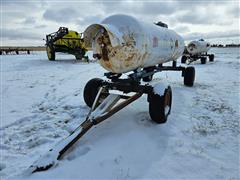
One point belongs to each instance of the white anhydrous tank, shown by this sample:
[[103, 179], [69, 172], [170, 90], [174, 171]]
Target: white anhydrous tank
[[198, 47], [123, 43]]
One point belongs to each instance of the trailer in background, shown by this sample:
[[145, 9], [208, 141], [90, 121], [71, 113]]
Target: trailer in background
[[14, 50], [196, 50]]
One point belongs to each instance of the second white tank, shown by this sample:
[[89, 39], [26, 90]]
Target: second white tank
[[198, 47]]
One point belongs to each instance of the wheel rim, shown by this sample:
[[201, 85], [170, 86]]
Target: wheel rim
[[167, 102]]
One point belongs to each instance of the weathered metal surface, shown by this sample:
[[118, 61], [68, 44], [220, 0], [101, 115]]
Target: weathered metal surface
[[122, 43], [198, 47]]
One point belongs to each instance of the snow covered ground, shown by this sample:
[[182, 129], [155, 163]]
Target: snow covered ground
[[41, 103]]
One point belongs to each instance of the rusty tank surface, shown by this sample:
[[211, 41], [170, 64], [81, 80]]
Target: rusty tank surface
[[123, 43]]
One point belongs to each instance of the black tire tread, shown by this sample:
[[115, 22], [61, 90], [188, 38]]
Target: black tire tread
[[91, 90], [211, 57], [51, 56], [183, 59], [203, 60], [189, 76], [156, 107]]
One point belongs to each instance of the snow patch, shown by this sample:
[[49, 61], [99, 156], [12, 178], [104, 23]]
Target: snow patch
[[159, 89], [43, 103]]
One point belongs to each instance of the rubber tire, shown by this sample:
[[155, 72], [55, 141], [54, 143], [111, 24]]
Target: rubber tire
[[148, 78], [189, 76], [211, 57], [157, 106], [50, 53], [183, 59], [203, 60], [78, 57], [90, 90]]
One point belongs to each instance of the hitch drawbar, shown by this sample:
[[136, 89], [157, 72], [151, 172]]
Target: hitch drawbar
[[109, 106], [104, 104]]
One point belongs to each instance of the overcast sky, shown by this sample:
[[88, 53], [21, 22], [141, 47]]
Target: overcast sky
[[27, 22]]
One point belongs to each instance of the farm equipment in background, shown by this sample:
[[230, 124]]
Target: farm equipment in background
[[65, 41]]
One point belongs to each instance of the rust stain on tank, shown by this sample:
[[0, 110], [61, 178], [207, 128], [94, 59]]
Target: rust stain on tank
[[108, 65], [104, 43], [144, 56], [123, 56], [105, 53], [129, 40], [130, 57]]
